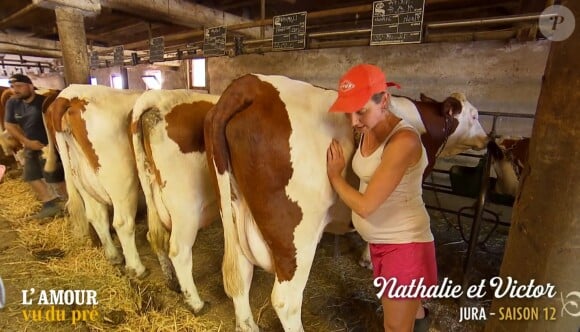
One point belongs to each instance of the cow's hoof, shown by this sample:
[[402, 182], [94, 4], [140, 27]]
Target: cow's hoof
[[141, 273], [247, 326], [198, 308], [203, 310], [117, 260]]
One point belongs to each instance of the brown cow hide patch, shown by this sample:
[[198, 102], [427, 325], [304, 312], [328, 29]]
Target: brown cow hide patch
[[185, 125]]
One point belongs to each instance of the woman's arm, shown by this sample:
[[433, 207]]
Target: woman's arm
[[402, 151]]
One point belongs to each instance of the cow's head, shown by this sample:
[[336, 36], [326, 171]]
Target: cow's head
[[469, 133]]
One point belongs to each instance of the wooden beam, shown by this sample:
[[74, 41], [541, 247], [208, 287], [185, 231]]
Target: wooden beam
[[37, 43], [239, 4], [531, 6], [124, 29], [179, 12], [16, 16], [50, 46], [87, 7], [29, 50]]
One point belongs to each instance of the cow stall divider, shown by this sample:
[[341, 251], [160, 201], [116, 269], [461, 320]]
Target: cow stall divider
[[474, 183]]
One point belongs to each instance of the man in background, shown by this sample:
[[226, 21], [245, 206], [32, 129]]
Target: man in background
[[23, 120]]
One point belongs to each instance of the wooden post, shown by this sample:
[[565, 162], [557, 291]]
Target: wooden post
[[544, 238], [71, 32]]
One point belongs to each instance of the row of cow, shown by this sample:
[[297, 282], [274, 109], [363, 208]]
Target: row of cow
[[256, 155]]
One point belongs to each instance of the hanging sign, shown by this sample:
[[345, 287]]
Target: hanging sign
[[214, 41], [118, 56], [94, 59], [156, 49], [289, 31], [397, 22]]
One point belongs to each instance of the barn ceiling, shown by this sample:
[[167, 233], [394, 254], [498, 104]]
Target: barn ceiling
[[27, 27]]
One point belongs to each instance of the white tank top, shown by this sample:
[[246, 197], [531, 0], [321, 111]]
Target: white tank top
[[402, 218]]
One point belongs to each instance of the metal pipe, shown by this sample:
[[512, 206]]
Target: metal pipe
[[509, 115], [485, 21], [338, 33], [339, 43], [477, 218], [26, 64], [252, 42], [463, 214]]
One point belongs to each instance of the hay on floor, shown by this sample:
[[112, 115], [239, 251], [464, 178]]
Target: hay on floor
[[45, 256]]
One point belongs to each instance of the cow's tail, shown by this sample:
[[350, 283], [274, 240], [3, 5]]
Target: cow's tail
[[52, 111], [77, 219], [232, 102], [144, 119]]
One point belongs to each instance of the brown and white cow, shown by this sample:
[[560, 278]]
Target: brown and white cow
[[172, 166], [266, 140], [447, 128], [509, 155], [8, 143], [90, 125]]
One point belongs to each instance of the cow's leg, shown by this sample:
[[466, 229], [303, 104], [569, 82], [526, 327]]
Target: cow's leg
[[287, 295], [124, 223], [158, 238], [183, 234], [365, 258], [98, 216], [237, 273]]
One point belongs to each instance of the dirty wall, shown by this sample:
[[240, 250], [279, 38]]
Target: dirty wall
[[496, 76]]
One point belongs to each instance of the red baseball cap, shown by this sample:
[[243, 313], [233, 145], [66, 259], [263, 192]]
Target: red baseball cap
[[357, 86]]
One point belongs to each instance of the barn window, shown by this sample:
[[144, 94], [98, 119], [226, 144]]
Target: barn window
[[198, 73], [117, 81], [152, 79], [94, 81]]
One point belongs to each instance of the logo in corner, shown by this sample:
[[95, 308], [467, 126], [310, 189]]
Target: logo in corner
[[346, 85], [2, 295], [570, 304], [557, 23]]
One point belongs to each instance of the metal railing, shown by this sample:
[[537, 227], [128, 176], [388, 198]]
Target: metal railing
[[481, 198]]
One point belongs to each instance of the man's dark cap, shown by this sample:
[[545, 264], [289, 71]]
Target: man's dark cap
[[19, 78]]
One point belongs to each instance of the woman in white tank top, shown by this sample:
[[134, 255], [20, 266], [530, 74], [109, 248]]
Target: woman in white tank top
[[388, 210]]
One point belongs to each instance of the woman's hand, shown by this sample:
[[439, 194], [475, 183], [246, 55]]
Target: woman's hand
[[334, 160]]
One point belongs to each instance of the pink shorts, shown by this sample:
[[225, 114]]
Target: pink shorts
[[405, 262]]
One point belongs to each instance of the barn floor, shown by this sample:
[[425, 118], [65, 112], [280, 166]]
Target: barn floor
[[339, 295]]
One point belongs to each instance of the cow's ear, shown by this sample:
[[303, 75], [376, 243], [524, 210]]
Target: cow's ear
[[451, 106], [426, 99]]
